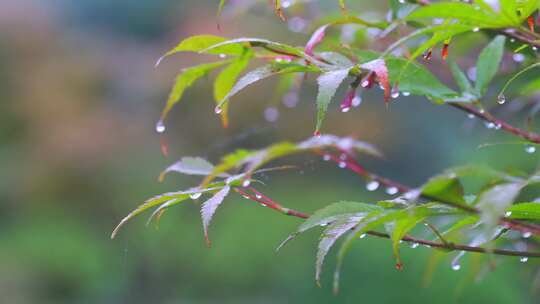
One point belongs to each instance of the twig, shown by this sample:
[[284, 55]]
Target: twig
[[354, 166], [486, 116], [262, 199]]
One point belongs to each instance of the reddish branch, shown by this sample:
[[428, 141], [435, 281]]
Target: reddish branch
[[354, 166], [486, 116], [266, 201]]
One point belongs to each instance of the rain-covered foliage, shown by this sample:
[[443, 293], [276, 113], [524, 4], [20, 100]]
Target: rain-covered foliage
[[403, 54]]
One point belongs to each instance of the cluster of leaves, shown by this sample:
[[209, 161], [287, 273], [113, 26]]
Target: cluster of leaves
[[439, 200], [480, 219]]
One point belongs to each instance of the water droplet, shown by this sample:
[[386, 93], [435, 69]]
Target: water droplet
[[160, 126], [456, 266], [527, 234], [245, 196], [195, 195], [395, 94], [476, 29], [317, 133], [406, 93], [482, 111], [222, 56], [508, 213], [501, 99], [498, 126], [414, 245], [534, 48], [372, 185], [342, 164], [262, 205], [512, 40], [391, 190], [523, 259], [345, 109], [399, 266], [357, 100], [471, 116], [365, 83], [246, 183], [489, 125], [402, 1], [218, 110], [326, 157], [530, 149], [363, 235], [258, 196], [323, 224]]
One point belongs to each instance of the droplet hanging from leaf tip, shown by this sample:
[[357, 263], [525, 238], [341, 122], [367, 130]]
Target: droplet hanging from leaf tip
[[395, 91], [501, 99], [218, 110], [317, 133], [160, 126], [399, 266]]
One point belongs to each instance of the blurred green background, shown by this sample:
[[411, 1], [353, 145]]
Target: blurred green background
[[79, 100]]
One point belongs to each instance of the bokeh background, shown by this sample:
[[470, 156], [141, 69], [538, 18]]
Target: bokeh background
[[79, 98]]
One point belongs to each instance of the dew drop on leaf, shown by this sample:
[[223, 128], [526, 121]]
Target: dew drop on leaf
[[363, 235], [357, 100], [523, 259], [160, 126], [372, 185], [501, 99], [195, 195], [222, 56], [476, 29], [530, 149], [489, 125], [456, 266], [218, 110], [392, 190]]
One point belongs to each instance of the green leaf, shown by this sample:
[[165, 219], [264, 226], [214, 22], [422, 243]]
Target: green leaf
[[493, 202], [209, 207], [227, 78], [202, 43], [466, 221], [276, 47], [189, 166], [515, 76], [462, 81], [444, 187], [400, 229], [525, 211], [480, 16], [328, 84], [488, 64], [184, 80], [328, 239], [333, 211], [262, 73], [157, 200], [416, 79]]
